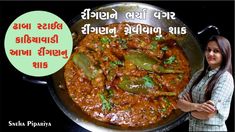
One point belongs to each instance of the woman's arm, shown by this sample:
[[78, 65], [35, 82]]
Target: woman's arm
[[203, 115], [186, 105]]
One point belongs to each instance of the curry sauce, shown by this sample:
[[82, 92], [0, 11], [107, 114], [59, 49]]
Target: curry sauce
[[127, 80]]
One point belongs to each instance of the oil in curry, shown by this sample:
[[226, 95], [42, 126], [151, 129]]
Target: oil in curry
[[127, 80]]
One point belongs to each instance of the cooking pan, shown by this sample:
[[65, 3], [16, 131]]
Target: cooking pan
[[189, 45]]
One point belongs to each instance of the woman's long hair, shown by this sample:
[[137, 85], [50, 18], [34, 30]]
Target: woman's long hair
[[226, 65]]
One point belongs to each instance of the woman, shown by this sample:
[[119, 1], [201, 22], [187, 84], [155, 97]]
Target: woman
[[209, 93]]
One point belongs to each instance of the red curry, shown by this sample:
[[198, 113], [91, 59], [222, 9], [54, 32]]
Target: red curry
[[127, 80]]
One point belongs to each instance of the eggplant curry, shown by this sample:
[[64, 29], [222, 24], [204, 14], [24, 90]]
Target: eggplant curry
[[127, 80]]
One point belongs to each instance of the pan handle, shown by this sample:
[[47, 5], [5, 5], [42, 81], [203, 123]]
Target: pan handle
[[209, 27], [34, 80]]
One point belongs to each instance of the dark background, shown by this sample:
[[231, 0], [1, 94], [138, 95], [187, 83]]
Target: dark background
[[24, 101]]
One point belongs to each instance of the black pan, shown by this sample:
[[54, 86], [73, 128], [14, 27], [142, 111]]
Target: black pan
[[190, 46]]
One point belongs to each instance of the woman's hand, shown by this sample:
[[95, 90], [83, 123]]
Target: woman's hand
[[185, 103], [187, 97], [204, 111], [202, 115], [207, 106]]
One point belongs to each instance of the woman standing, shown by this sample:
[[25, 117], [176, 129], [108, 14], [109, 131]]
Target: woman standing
[[208, 95]]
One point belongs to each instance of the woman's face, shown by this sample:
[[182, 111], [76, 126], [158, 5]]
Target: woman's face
[[213, 55]]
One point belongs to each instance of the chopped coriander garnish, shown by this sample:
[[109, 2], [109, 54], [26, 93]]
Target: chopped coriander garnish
[[170, 60], [105, 40], [148, 82], [168, 103], [165, 48], [153, 45], [158, 37], [105, 103], [116, 63]]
